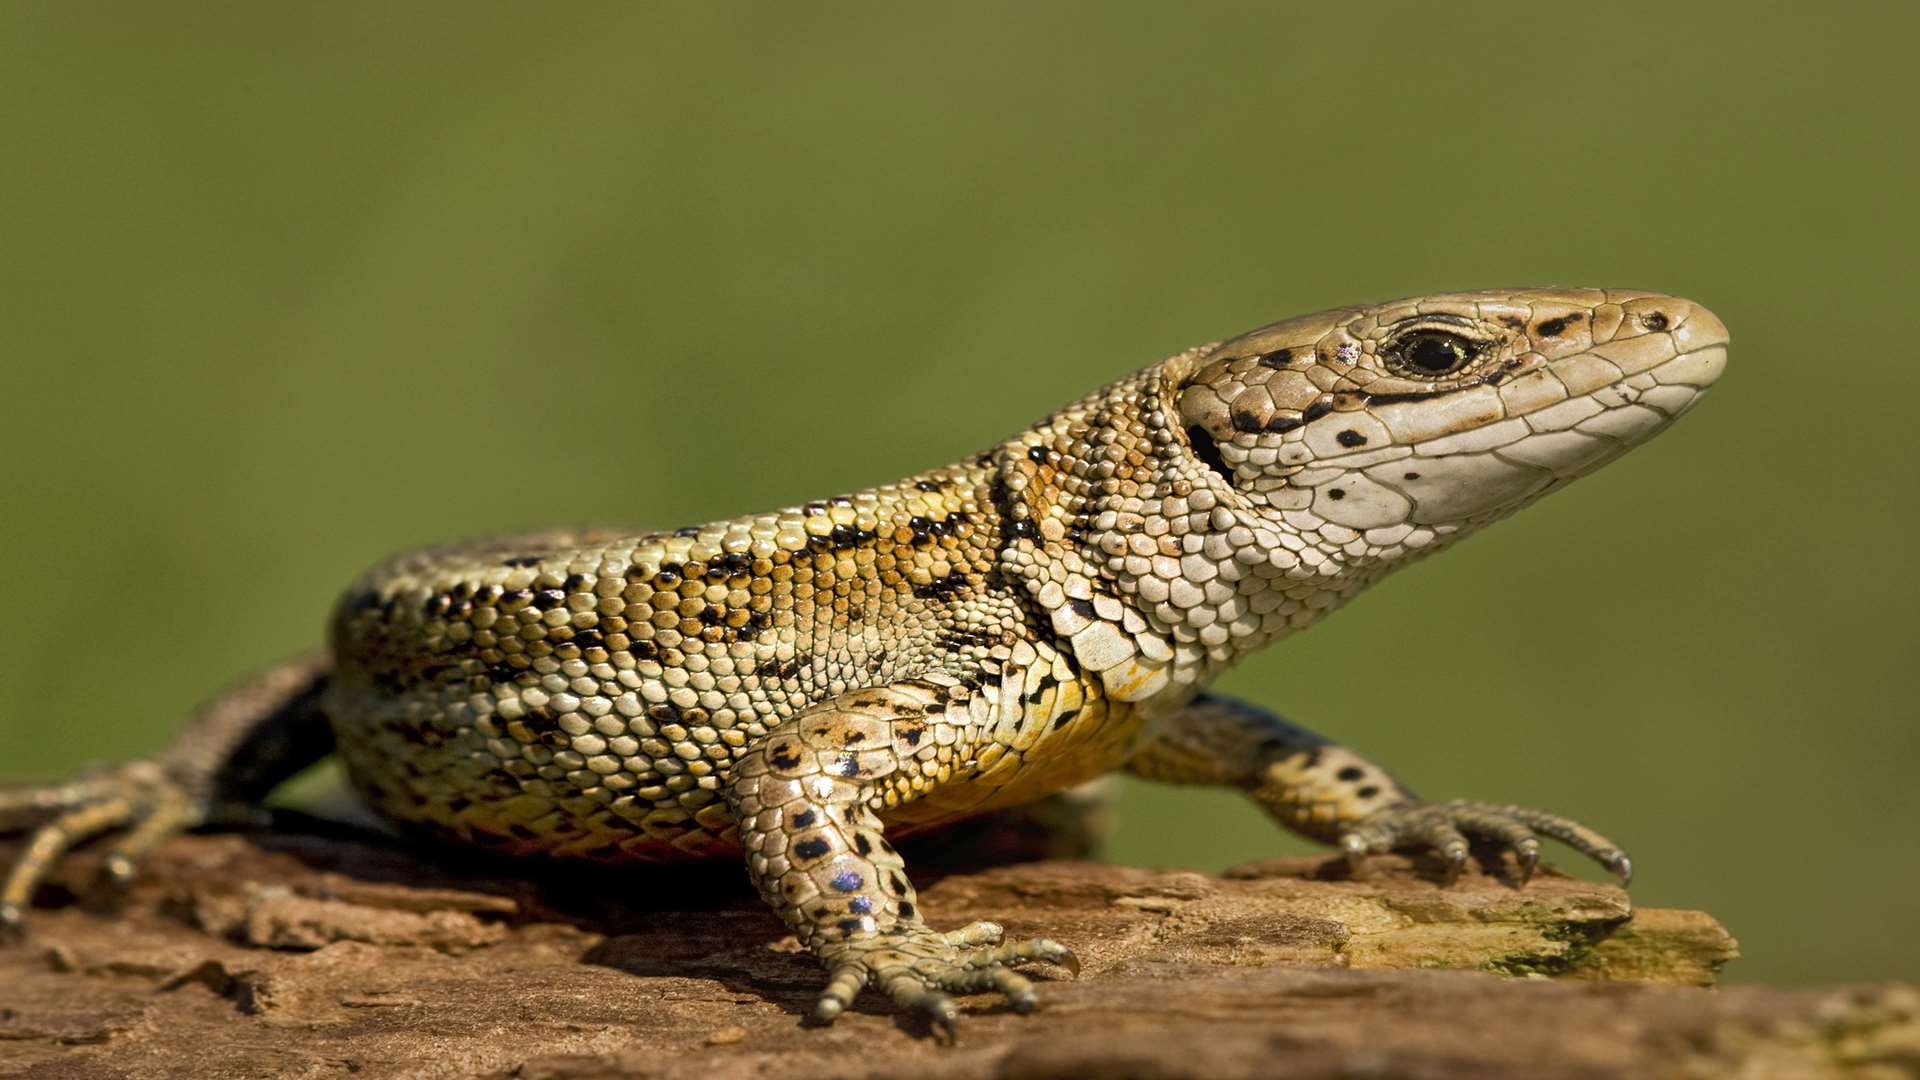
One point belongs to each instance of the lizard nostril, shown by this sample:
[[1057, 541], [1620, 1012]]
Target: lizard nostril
[[1654, 321]]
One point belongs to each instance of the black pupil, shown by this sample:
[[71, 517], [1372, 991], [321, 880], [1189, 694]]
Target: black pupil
[[1435, 352]]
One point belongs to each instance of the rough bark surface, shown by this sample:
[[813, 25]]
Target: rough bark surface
[[282, 955]]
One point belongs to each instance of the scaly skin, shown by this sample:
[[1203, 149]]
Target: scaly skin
[[800, 685]]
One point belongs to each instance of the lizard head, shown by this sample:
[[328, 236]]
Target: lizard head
[[1238, 492], [1390, 427]]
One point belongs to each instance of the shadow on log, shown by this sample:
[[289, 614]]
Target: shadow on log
[[295, 955]]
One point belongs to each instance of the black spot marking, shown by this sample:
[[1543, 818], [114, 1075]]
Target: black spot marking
[[803, 819], [1350, 438], [926, 486], [1411, 476], [1208, 452], [861, 905], [849, 927], [1282, 423], [1495, 378], [1037, 455], [1556, 327], [784, 758], [1246, 421], [860, 843], [1336, 494], [1316, 410], [942, 588], [1276, 359], [1351, 772], [812, 848], [1065, 718], [774, 668], [846, 536], [906, 909]]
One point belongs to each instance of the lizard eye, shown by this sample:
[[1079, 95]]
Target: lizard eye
[[1431, 354]]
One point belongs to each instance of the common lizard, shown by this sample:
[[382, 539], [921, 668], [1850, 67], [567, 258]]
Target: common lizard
[[799, 686]]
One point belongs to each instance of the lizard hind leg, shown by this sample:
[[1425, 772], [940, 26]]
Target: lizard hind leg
[[229, 754], [807, 798], [131, 795]]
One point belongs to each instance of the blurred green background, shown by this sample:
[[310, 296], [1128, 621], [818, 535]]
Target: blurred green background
[[284, 288]]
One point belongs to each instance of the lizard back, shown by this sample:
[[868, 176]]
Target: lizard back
[[581, 694]]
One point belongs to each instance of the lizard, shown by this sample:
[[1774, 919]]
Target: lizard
[[799, 688]]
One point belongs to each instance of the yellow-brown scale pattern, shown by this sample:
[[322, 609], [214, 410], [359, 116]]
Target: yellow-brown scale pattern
[[583, 695], [799, 686]]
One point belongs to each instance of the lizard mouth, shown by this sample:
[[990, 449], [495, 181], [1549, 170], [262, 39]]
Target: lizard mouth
[[1483, 472]]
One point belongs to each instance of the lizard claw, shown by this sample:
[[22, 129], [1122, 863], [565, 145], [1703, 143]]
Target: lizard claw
[[1527, 854], [1062, 956], [1622, 867]]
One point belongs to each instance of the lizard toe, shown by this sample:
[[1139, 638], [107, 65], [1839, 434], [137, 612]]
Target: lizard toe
[[1445, 829], [137, 797], [920, 970]]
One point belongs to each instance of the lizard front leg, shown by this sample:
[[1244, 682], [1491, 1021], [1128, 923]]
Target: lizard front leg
[[1331, 794], [808, 799]]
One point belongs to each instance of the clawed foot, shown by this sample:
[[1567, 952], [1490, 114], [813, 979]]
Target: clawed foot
[[138, 798], [919, 968], [1446, 827]]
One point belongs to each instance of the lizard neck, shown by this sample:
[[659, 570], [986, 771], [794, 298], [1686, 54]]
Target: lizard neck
[[1140, 555]]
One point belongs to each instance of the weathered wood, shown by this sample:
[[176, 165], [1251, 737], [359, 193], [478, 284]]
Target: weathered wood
[[285, 955]]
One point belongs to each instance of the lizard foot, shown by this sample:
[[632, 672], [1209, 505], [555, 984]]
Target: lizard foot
[[1445, 828], [918, 968], [138, 798]]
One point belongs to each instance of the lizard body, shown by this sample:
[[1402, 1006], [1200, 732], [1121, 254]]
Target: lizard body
[[799, 685]]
